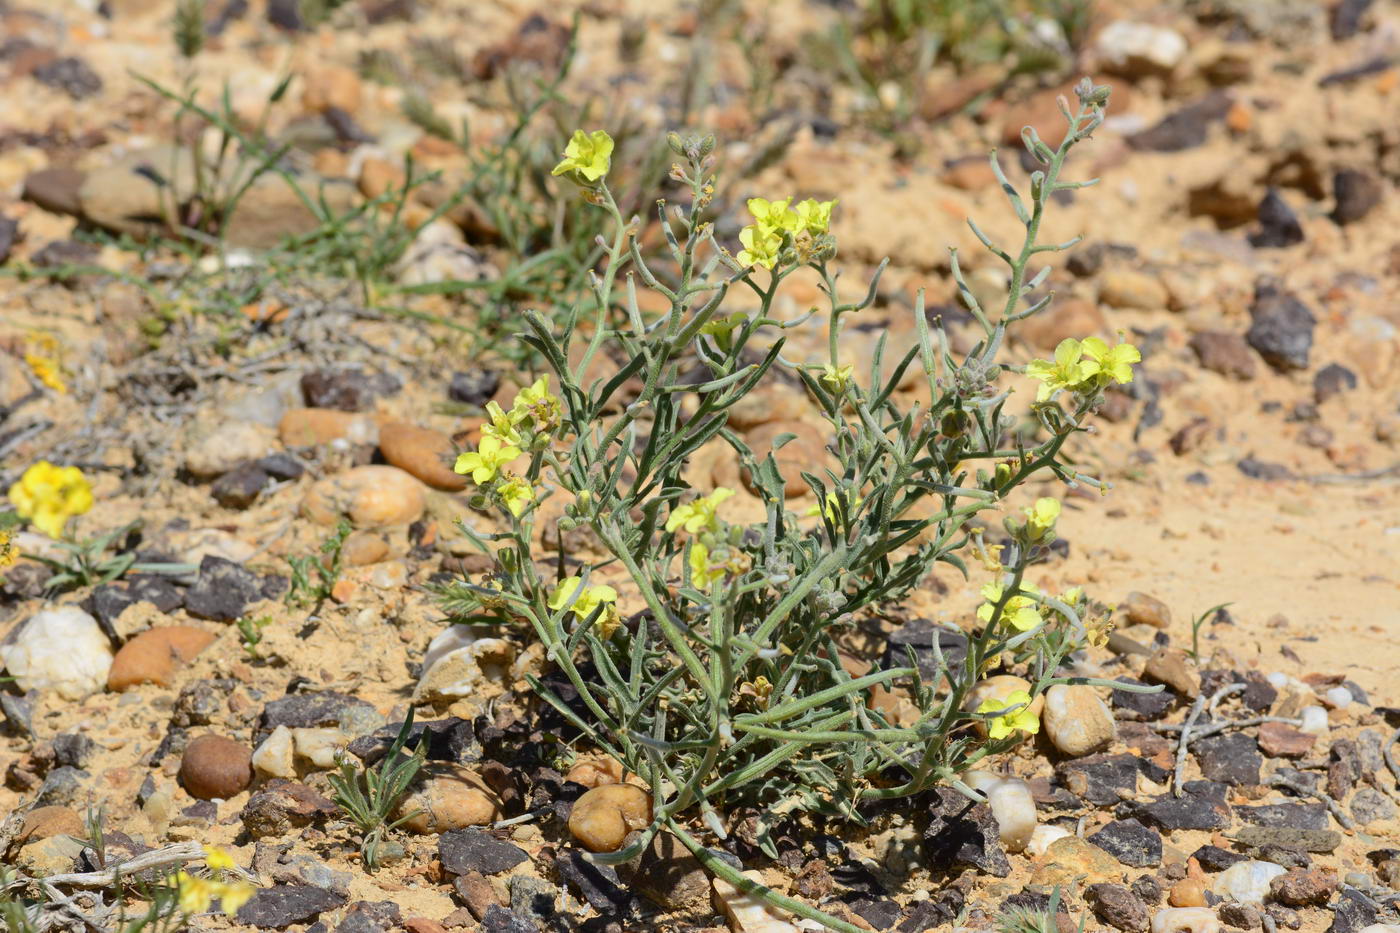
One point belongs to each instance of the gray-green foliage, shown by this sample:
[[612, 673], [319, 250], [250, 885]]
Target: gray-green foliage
[[728, 689], [368, 796]]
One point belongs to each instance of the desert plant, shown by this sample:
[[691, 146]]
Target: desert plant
[[369, 796], [727, 688], [315, 575]]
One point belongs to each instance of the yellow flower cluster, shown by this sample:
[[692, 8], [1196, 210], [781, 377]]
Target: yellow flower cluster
[[42, 358], [697, 517], [1022, 610], [587, 157], [763, 239], [197, 894], [535, 407], [1017, 718], [589, 599], [1083, 366], [49, 495]]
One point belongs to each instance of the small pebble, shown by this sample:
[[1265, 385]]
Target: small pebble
[[1314, 720], [1043, 836], [1188, 892], [1076, 720], [1247, 882], [216, 768], [1012, 805], [603, 816], [63, 650], [1338, 698], [1185, 920]]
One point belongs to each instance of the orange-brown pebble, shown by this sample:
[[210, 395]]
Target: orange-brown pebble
[[1188, 892], [153, 656], [425, 453]]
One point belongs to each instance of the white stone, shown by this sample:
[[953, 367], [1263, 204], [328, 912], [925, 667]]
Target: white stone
[[1185, 920], [319, 746], [1277, 679], [60, 649], [1044, 835], [1076, 720], [1012, 805], [748, 914], [459, 664], [1338, 698], [1247, 882], [1140, 48], [275, 756], [1314, 720]]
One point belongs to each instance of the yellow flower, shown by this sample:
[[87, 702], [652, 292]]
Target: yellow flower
[[195, 894], [774, 215], [831, 506], [233, 895], [1041, 517], [537, 403], [588, 600], [217, 859], [1110, 363], [761, 246], [1097, 630], [588, 155], [486, 460], [48, 496], [703, 574], [1018, 718], [837, 378], [1067, 371], [516, 492], [500, 425], [1023, 612], [698, 514], [814, 216], [722, 328], [46, 371], [8, 552]]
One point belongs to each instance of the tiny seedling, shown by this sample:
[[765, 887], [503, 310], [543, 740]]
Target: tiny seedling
[[325, 567], [1196, 628], [250, 631], [368, 796]]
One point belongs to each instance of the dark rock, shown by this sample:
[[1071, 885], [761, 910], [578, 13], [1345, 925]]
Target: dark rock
[[281, 806], [1224, 352], [500, 919], [346, 389], [9, 232], [1086, 261], [1264, 469], [281, 466], [882, 913], [1345, 18], [1283, 855], [71, 75], [1117, 906], [1190, 811], [1259, 694], [1332, 379], [1214, 858], [962, 834], [668, 875], [1300, 815], [1104, 780], [240, 487], [1352, 911], [1186, 128], [309, 710], [1285, 917], [1279, 226], [370, 917], [451, 739], [285, 904], [1232, 758], [472, 849], [347, 132], [940, 910], [596, 884], [199, 702], [62, 787], [1241, 916], [1130, 843], [535, 900], [476, 387], [285, 14], [1148, 706], [1282, 328], [918, 635], [73, 749], [1356, 193], [1344, 768], [1309, 840], [62, 253], [1149, 889], [223, 591]]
